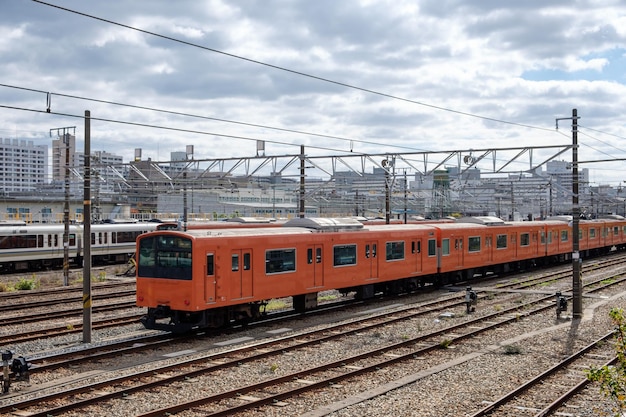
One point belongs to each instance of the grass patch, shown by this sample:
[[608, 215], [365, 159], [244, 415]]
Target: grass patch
[[276, 305]]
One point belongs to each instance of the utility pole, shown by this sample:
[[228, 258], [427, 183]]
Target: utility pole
[[66, 206], [87, 232], [302, 207], [577, 305]]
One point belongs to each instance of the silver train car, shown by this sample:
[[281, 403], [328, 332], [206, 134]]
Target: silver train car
[[40, 246]]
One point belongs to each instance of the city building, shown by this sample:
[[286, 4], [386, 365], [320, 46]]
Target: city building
[[23, 165]]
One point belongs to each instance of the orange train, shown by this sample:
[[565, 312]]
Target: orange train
[[207, 278]]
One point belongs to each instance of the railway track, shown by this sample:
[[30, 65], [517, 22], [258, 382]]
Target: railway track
[[256, 395], [545, 393]]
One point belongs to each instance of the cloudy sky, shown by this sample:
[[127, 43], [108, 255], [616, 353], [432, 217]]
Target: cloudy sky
[[369, 76]]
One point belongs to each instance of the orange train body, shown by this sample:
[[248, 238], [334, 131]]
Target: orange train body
[[208, 278]]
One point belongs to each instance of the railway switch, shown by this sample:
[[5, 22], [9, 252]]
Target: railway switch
[[561, 304], [19, 367], [7, 355], [470, 299]]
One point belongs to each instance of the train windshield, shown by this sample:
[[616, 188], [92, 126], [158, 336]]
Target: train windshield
[[164, 256]]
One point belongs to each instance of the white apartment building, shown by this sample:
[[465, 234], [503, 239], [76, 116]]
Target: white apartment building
[[23, 165]]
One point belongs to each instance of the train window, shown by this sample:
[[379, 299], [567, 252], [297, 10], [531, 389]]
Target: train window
[[473, 244], [235, 262], [615, 230], [592, 233], [367, 251], [40, 241], [524, 239], [125, 237], [501, 242], [374, 250], [165, 257], [246, 261], [395, 250], [49, 241], [281, 260], [445, 247], [543, 237], [72, 239], [309, 256], [210, 264], [564, 236], [318, 255], [344, 255], [416, 247]]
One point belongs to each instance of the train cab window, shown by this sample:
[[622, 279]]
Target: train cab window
[[592, 233], [473, 244], [246, 261], [394, 250], [416, 247], [235, 262], [165, 257], [282, 260], [524, 239], [501, 242], [344, 255], [445, 247], [309, 256], [210, 264], [564, 236]]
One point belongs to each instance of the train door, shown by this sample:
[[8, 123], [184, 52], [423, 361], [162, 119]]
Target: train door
[[514, 245], [458, 250], [489, 248], [314, 266], [210, 280], [241, 273], [371, 258], [416, 254]]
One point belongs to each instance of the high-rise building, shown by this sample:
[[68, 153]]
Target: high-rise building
[[23, 165]]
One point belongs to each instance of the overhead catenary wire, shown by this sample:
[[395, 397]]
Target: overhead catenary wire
[[296, 72]]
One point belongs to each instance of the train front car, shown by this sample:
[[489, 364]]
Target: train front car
[[207, 278], [165, 282]]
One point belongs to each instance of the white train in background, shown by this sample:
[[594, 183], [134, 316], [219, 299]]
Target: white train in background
[[32, 247]]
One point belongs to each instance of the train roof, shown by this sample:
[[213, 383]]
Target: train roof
[[326, 224], [485, 220], [250, 220], [261, 231]]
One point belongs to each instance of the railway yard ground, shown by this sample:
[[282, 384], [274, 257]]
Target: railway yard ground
[[422, 354]]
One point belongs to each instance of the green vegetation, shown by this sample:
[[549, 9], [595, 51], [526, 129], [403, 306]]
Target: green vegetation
[[445, 344], [512, 350], [612, 379], [26, 284], [276, 305]]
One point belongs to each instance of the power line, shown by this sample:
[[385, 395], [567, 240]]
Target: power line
[[176, 113], [174, 129], [315, 77]]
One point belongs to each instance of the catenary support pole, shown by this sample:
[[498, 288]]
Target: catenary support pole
[[87, 233]]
